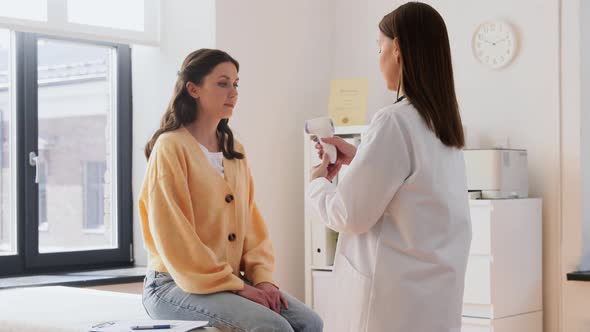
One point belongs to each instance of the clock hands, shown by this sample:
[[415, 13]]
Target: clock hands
[[487, 42], [500, 40], [494, 43]]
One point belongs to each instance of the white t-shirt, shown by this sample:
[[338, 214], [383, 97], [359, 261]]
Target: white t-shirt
[[215, 159]]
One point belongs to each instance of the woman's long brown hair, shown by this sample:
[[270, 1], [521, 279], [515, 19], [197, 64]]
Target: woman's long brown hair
[[427, 70]]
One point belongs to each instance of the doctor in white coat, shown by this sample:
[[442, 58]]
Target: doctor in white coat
[[401, 209]]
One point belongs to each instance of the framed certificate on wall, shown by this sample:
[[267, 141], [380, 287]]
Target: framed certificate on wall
[[348, 101]]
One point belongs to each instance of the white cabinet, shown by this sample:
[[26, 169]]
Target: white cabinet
[[503, 281]]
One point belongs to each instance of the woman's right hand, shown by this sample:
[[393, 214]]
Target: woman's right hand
[[255, 295], [346, 151]]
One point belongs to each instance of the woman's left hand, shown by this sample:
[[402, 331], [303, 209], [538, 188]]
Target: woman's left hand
[[324, 170], [274, 295]]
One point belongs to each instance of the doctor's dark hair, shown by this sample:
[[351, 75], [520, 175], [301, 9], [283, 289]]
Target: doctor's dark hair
[[183, 108], [427, 70]]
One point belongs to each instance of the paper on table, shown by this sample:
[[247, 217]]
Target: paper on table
[[125, 325]]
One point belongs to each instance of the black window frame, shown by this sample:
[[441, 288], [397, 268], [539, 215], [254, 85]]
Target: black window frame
[[28, 260]]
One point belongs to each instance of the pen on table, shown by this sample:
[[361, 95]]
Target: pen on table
[[151, 327]]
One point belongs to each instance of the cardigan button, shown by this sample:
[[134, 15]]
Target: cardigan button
[[229, 198], [231, 237]]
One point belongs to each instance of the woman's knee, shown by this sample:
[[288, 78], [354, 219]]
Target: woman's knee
[[312, 323], [271, 322]]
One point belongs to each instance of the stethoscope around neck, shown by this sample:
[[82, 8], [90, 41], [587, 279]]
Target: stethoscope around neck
[[399, 86]]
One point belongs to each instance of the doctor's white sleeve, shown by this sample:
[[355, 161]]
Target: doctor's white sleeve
[[381, 165]]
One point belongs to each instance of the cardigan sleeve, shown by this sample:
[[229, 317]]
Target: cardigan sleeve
[[258, 258], [193, 266]]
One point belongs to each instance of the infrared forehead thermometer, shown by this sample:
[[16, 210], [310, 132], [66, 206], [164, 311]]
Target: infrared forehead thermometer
[[323, 128]]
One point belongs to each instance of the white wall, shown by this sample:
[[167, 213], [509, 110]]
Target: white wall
[[519, 102], [185, 26], [284, 50], [585, 132], [575, 158]]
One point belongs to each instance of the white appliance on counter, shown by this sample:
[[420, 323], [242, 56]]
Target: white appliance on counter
[[497, 173]]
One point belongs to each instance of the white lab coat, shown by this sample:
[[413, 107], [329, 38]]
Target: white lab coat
[[405, 230]]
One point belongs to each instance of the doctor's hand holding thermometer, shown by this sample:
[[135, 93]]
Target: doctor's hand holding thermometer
[[345, 153], [323, 128]]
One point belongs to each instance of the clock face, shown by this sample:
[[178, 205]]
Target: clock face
[[494, 44]]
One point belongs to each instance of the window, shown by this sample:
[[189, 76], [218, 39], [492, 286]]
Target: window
[[75, 105], [69, 195], [126, 15], [35, 10], [7, 144], [94, 198], [42, 180], [128, 21]]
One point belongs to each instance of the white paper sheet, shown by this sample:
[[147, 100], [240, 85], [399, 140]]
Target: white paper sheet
[[126, 325]]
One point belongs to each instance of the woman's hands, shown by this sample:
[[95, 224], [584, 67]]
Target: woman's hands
[[254, 294], [324, 170], [345, 154], [274, 295], [265, 294], [346, 151]]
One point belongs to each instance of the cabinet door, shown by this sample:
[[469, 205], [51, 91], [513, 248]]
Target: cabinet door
[[322, 299], [481, 225], [478, 280]]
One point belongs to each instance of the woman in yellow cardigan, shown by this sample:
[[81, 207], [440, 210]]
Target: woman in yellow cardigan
[[200, 223]]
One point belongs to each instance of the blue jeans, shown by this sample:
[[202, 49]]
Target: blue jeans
[[227, 311]]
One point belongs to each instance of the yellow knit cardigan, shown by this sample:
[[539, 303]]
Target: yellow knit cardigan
[[199, 227]]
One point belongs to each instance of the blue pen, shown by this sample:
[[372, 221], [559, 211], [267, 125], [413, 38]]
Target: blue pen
[[151, 327]]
